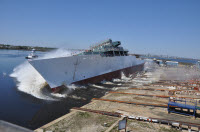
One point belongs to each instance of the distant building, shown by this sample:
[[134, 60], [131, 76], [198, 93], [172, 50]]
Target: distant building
[[198, 64], [159, 62], [171, 63]]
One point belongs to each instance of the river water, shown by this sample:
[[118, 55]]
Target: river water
[[16, 107]]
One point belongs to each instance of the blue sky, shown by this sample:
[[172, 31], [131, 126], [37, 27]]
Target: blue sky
[[167, 27]]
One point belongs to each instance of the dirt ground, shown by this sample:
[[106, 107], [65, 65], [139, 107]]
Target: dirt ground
[[92, 122], [83, 122]]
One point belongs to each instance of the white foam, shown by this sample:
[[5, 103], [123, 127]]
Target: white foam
[[57, 53], [108, 82], [30, 81], [97, 86], [126, 79], [117, 80], [152, 74], [72, 86], [123, 78], [59, 95]]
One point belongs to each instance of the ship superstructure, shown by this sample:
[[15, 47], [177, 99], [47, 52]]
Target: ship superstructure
[[104, 61], [107, 48]]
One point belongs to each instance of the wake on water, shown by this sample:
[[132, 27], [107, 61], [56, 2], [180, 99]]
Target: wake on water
[[31, 82]]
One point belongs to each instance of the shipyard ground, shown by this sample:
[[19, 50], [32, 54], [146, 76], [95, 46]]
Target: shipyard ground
[[143, 99]]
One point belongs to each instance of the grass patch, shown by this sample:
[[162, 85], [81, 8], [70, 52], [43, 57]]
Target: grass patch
[[114, 129], [84, 114], [134, 125], [152, 108], [145, 125], [163, 129]]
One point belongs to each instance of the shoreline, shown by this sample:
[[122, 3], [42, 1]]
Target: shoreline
[[25, 48]]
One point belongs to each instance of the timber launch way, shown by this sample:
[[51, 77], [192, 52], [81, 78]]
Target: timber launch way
[[104, 61]]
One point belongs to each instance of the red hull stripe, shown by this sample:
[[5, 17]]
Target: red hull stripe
[[108, 76], [111, 75]]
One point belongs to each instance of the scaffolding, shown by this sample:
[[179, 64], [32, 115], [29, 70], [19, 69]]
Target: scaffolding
[[178, 106]]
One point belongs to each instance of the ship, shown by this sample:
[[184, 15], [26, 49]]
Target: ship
[[104, 61], [32, 55]]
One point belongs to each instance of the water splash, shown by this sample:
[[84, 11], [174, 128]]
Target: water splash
[[123, 78], [97, 86], [31, 82], [57, 53]]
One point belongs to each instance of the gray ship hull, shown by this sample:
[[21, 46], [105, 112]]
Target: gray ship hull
[[85, 69]]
